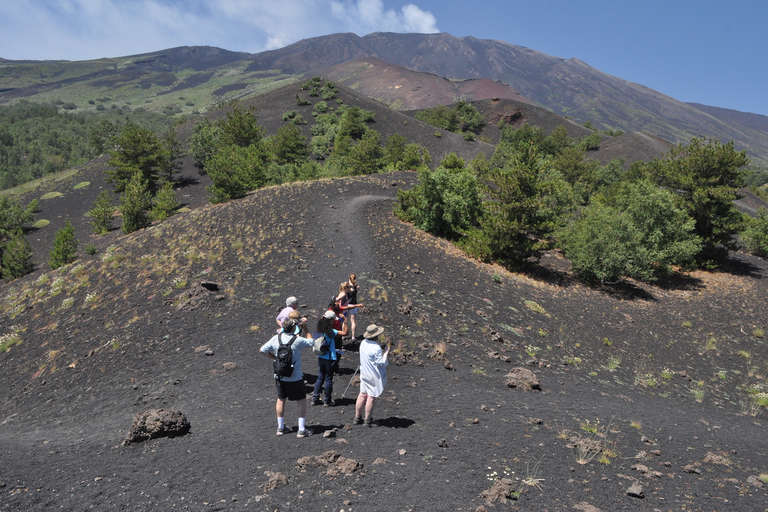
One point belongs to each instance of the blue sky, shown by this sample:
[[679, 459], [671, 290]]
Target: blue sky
[[706, 51]]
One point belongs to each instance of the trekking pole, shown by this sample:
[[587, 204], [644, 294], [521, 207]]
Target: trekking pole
[[350, 382]]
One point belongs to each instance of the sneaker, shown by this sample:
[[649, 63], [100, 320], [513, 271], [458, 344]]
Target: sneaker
[[316, 401], [358, 421], [304, 433], [284, 430], [368, 422], [328, 404]]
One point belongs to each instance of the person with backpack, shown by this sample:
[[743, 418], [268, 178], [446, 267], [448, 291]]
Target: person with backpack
[[327, 362], [284, 349]]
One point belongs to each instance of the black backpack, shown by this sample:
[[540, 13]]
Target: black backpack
[[283, 365]]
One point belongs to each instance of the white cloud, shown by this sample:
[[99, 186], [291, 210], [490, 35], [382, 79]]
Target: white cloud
[[88, 29], [366, 16]]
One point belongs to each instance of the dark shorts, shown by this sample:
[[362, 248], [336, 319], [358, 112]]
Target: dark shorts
[[290, 390]]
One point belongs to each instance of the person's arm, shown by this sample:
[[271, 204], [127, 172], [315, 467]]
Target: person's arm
[[269, 355], [344, 330], [381, 360]]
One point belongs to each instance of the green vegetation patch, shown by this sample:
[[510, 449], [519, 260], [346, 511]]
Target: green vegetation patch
[[52, 195], [41, 223], [82, 184]]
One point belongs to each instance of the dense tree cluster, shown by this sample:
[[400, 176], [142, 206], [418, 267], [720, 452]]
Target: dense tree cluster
[[41, 139], [238, 157], [540, 191], [461, 118]]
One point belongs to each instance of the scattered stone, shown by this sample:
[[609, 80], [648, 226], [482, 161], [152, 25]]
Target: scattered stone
[[335, 463], [229, 366], [495, 337], [636, 490], [522, 378], [192, 298], [405, 309], [442, 443], [501, 492], [275, 480], [716, 459], [492, 354], [657, 453], [330, 433], [380, 460], [641, 468], [535, 421], [690, 468], [401, 451], [586, 507], [755, 481], [448, 366], [156, 423], [209, 352]]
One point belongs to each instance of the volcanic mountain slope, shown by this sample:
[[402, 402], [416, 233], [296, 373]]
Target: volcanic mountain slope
[[405, 89], [189, 80], [566, 86], [644, 400]]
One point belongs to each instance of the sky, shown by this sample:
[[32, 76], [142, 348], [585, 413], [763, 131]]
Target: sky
[[705, 51]]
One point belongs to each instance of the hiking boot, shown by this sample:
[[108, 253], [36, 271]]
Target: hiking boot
[[304, 433], [368, 423], [284, 430], [328, 404], [316, 401], [358, 421]]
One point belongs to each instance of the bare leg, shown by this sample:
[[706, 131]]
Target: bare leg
[[369, 408], [352, 325], [360, 405], [280, 411], [302, 407]]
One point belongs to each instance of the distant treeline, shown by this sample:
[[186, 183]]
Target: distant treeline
[[37, 139]]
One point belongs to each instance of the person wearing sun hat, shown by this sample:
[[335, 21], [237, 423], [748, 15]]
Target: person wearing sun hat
[[373, 373]]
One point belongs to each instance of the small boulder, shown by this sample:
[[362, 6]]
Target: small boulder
[[156, 423], [522, 378], [636, 490]]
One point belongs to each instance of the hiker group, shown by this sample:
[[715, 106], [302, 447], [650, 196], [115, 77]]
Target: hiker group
[[337, 324]]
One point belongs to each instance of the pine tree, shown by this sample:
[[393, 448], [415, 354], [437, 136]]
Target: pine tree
[[135, 202], [17, 257], [102, 213], [64, 246], [165, 202]]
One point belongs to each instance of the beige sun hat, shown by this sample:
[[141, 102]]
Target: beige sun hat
[[373, 331]]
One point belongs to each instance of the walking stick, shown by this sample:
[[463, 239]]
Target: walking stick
[[350, 382]]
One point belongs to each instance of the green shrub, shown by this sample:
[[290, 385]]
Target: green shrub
[[165, 203], [64, 247], [102, 214], [634, 230], [135, 202], [755, 236], [16, 257], [235, 171], [445, 202]]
